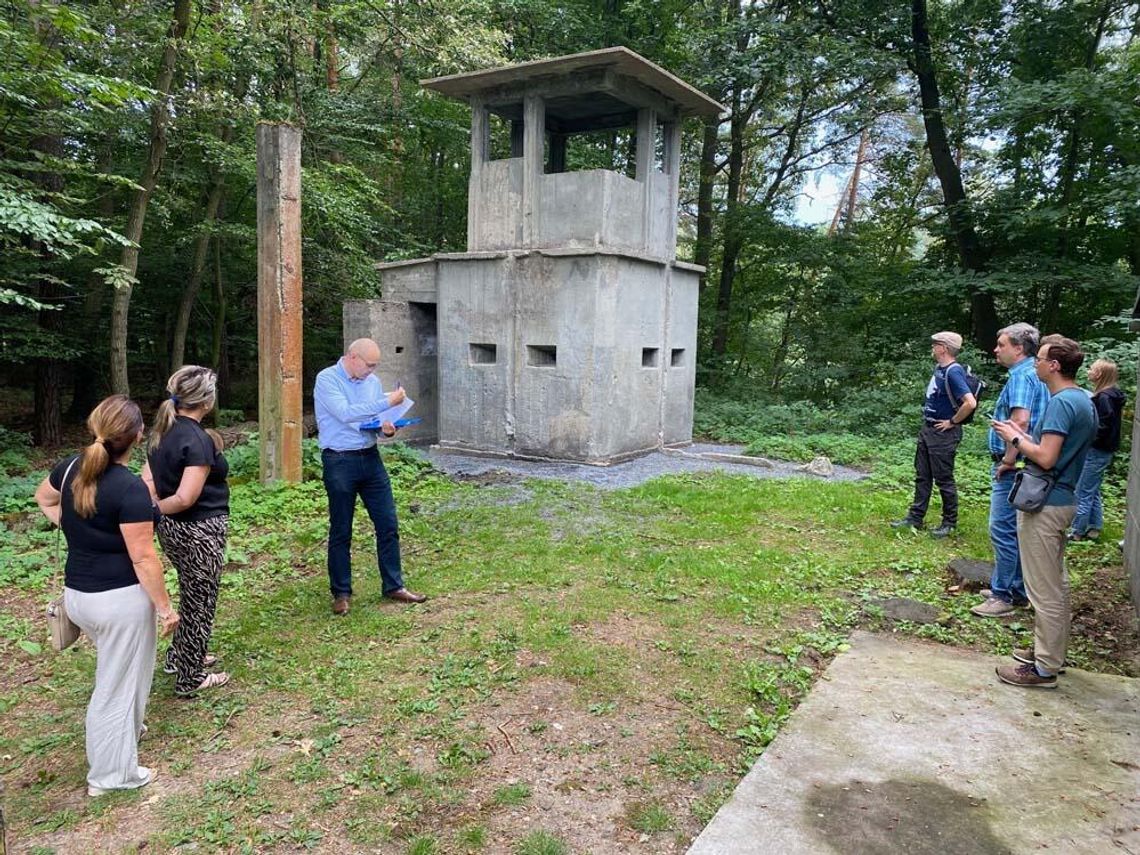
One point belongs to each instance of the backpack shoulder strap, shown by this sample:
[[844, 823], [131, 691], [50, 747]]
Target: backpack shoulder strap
[[946, 382]]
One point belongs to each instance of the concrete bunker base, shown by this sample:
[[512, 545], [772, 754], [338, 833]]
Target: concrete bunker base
[[917, 748]]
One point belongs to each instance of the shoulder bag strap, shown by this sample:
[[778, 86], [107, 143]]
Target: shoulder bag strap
[[59, 528]]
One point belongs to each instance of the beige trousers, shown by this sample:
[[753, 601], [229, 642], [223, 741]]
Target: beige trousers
[[1041, 541]]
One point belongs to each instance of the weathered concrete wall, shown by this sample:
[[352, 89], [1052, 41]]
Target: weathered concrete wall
[[555, 306], [681, 344], [407, 336], [495, 206], [409, 281], [580, 210], [1132, 504], [574, 203], [564, 354]]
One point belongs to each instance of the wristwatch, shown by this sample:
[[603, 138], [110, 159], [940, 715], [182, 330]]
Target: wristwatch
[[1015, 442]]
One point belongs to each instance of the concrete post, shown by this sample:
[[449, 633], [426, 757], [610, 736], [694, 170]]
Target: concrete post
[[480, 143], [534, 140], [646, 157], [673, 170], [279, 304]]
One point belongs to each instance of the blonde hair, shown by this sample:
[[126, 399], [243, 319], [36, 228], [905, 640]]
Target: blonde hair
[[115, 424], [1103, 374], [216, 438], [190, 387]]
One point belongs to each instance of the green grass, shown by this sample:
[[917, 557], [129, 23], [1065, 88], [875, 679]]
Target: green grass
[[703, 603], [649, 818], [541, 843], [511, 794]]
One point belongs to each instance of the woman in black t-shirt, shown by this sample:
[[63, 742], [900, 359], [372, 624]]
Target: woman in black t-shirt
[[113, 585], [186, 474]]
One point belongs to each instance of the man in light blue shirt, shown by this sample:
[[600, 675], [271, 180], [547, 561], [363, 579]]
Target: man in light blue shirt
[[347, 394], [1022, 401]]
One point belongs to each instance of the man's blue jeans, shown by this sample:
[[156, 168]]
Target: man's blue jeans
[[1090, 507], [1006, 582], [346, 476]]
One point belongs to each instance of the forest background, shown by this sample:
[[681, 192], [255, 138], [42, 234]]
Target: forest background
[[996, 148]]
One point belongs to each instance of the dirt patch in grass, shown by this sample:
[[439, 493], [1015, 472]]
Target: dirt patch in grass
[[1105, 623]]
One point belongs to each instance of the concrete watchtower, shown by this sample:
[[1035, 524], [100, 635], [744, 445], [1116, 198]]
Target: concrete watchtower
[[568, 328]]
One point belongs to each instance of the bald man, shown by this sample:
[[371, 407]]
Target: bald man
[[347, 394]]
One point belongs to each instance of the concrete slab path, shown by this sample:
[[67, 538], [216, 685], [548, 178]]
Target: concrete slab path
[[917, 748]]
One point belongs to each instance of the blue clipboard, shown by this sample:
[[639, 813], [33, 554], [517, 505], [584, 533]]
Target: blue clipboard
[[399, 423]]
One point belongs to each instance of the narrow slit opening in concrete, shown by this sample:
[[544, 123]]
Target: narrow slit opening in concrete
[[677, 357], [649, 357], [483, 354], [541, 355]]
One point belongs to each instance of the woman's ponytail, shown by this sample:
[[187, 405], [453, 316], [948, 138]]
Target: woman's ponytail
[[190, 387], [115, 423]]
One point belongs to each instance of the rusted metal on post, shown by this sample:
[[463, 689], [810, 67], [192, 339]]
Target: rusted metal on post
[[279, 304]]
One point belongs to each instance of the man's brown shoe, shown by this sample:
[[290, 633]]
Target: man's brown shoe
[[1025, 675], [403, 595], [340, 605]]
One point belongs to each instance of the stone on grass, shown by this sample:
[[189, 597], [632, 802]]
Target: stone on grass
[[819, 466], [970, 574], [902, 608]]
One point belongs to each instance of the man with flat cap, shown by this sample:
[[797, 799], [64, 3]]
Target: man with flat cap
[[949, 402], [348, 394]]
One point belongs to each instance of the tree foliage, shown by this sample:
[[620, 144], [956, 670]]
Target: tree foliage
[[1037, 104]]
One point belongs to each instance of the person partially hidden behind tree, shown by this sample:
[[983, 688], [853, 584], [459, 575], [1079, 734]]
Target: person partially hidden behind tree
[[949, 402]]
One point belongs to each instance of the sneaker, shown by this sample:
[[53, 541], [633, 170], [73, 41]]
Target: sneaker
[[993, 607], [146, 774], [1025, 675], [1028, 657], [906, 522], [340, 605], [986, 593], [942, 531]]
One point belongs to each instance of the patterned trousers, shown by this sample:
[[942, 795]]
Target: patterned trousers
[[197, 550]]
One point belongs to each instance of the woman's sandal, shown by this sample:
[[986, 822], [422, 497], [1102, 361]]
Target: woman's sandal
[[208, 661], [212, 681]]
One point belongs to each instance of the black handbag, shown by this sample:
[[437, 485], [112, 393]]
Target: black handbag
[[1031, 487]]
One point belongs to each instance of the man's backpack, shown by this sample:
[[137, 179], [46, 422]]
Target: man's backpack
[[976, 385]]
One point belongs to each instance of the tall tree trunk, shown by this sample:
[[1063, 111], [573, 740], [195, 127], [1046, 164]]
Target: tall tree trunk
[[48, 369], [971, 253], [197, 268], [85, 369], [217, 350], [702, 251], [129, 261], [733, 233]]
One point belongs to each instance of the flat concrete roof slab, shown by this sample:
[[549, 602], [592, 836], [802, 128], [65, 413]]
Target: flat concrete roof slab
[[689, 99], [917, 748]]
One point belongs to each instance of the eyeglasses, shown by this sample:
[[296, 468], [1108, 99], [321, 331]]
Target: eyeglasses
[[1038, 360]]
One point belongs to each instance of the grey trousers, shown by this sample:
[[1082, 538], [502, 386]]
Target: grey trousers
[[1041, 540], [121, 624]]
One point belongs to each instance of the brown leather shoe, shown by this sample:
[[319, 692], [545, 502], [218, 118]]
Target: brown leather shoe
[[340, 605], [403, 595]]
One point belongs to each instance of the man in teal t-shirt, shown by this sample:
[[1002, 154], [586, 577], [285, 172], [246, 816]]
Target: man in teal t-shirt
[[1059, 442]]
